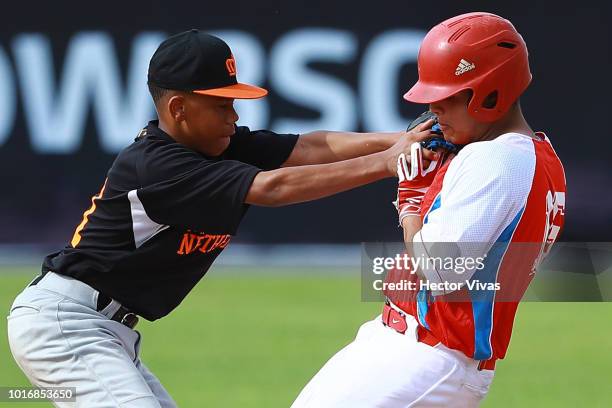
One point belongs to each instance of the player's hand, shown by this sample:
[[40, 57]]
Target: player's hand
[[403, 145], [415, 175]]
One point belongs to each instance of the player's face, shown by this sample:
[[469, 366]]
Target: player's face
[[209, 122], [456, 124]]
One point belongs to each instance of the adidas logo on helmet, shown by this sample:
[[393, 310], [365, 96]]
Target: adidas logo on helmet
[[464, 66]]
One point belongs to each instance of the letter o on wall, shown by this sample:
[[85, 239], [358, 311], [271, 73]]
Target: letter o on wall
[[7, 97]]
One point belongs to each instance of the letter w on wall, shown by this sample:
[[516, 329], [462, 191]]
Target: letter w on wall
[[56, 115]]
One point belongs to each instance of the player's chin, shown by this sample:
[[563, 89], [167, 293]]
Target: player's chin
[[448, 135], [447, 131], [213, 150], [449, 138], [223, 144], [453, 137]]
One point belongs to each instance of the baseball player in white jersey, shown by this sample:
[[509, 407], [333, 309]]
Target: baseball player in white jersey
[[502, 194]]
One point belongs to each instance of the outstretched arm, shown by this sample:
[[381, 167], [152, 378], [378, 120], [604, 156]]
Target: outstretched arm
[[290, 185], [304, 183], [328, 147]]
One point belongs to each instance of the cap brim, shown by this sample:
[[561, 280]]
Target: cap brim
[[427, 93], [237, 91]]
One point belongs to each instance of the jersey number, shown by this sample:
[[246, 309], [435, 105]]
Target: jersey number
[[555, 209]]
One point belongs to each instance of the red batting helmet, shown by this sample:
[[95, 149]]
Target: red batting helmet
[[478, 51]]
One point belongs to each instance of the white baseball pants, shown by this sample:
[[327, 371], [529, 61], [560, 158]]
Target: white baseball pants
[[383, 368]]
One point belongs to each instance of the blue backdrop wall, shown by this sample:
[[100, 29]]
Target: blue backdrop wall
[[73, 93]]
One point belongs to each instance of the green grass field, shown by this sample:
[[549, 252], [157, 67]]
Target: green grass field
[[253, 339]]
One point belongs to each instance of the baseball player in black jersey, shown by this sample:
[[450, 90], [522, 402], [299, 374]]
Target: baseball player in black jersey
[[170, 204]]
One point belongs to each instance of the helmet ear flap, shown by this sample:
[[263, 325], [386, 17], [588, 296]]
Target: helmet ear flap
[[485, 107], [490, 101], [492, 95]]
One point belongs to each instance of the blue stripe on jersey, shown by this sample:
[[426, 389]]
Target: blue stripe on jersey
[[422, 307], [482, 300], [436, 204]]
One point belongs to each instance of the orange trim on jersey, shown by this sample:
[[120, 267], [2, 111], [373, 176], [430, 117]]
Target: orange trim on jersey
[[76, 238]]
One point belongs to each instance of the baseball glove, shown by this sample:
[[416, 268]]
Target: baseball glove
[[434, 143]]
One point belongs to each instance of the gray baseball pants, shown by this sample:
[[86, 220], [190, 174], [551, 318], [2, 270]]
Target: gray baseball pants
[[58, 339]]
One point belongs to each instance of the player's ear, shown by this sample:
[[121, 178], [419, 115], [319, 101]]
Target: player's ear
[[176, 107]]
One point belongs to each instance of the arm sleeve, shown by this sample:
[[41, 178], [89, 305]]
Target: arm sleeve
[[483, 195], [182, 188], [261, 148]]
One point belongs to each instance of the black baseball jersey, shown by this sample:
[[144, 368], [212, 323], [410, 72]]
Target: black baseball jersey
[[163, 215]]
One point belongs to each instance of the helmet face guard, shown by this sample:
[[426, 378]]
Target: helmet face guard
[[481, 52]]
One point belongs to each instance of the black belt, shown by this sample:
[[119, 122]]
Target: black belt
[[122, 315]]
